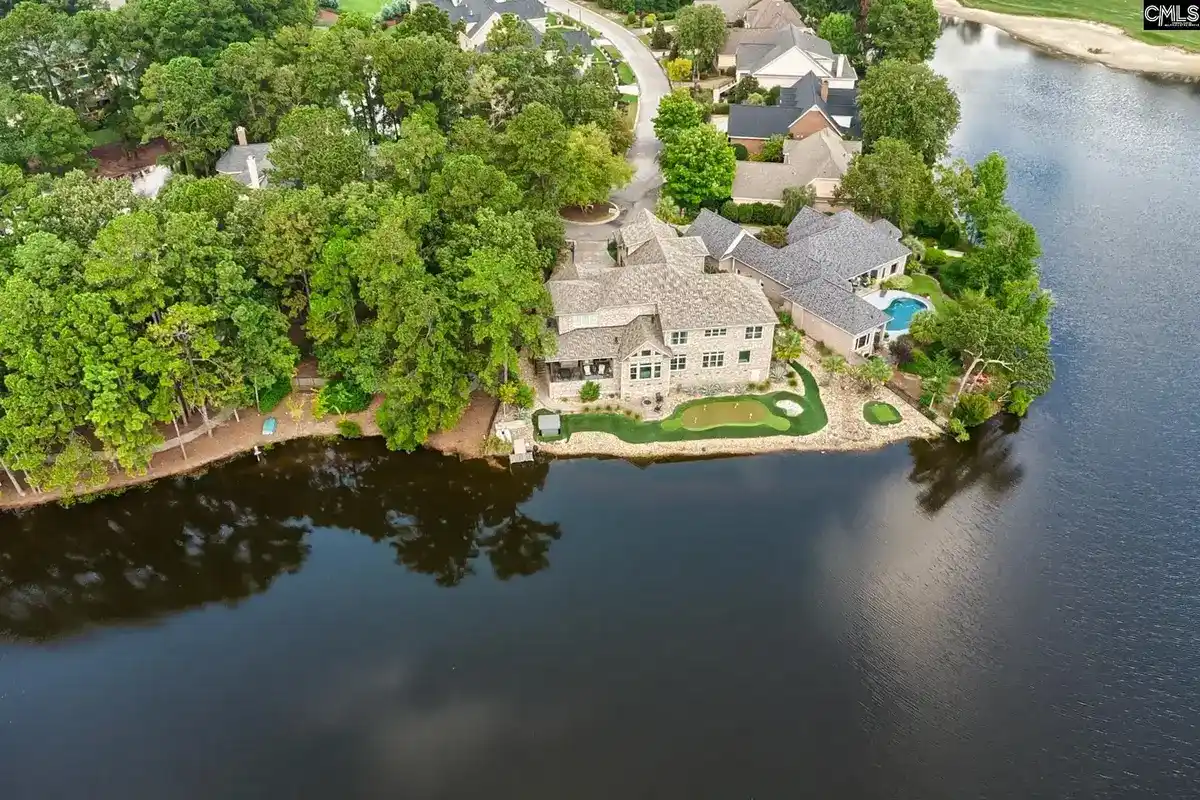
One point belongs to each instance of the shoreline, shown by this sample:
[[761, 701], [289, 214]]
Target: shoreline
[[1072, 38]]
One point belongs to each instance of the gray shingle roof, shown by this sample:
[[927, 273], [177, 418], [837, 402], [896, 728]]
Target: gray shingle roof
[[233, 162], [751, 57], [642, 331], [475, 11], [806, 93], [732, 9], [641, 227], [846, 245], [717, 233], [760, 122], [823, 156], [837, 305], [888, 229], [583, 344], [684, 296], [786, 266], [577, 40], [772, 14]]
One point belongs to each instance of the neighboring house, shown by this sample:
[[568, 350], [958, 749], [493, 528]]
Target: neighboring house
[[657, 321], [808, 107], [576, 40], [782, 56], [816, 276], [732, 9], [478, 16], [818, 161], [772, 14], [247, 164]]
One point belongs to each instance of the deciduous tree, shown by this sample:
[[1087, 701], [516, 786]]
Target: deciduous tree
[[317, 147], [699, 166], [890, 182], [903, 29], [594, 170], [910, 102], [180, 104]]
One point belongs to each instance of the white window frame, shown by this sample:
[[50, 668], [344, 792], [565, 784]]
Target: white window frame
[[712, 360], [636, 367], [678, 363], [715, 333], [862, 341], [679, 338], [754, 332]]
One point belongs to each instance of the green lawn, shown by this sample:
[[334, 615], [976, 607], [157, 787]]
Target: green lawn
[[927, 286], [368, 7], [104, 136], [881, 413], [673, 429], [1125, 14], [625, 74]]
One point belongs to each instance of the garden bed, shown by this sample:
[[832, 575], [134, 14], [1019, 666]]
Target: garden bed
[[593, 215]]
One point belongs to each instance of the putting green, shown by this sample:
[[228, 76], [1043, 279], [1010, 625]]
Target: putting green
[[881, 413], [726, 412]]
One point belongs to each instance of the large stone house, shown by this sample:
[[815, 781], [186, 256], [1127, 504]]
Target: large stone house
[[657, 321], [809, 107], [761, 14], [820, 276]]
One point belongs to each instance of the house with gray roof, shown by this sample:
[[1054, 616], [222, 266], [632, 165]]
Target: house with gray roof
[[782, 56], [733, 10], [478, 16], [820, 277], [808, 107], [656, 322], [818, 162], [760, 14], [247, 163]]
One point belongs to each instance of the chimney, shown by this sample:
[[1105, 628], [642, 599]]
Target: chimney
[[824, 90], [241, 135], [252, 168]]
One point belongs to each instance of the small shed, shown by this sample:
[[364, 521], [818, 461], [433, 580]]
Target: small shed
[[549, 425]]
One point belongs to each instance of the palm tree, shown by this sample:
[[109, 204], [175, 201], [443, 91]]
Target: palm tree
[[789, 344]]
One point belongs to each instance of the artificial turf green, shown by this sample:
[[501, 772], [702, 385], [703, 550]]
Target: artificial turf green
[[812, 419], [878, 413]]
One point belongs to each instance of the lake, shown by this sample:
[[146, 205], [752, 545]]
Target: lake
[[1013, 617]]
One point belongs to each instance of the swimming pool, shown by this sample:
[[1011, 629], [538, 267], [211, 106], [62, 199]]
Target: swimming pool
[[901, 312]]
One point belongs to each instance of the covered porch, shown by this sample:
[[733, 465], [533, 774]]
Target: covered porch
[[565, 379]]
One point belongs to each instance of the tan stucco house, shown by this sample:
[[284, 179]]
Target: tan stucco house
[[657, 321], [820, 276], [817, 161]]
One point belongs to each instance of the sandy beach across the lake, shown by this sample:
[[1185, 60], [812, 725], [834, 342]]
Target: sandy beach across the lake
[[1087, 41]]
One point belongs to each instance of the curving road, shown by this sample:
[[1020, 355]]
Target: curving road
[[652, 85]]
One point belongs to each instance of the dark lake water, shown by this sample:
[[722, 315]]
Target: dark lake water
[[1013, 618]]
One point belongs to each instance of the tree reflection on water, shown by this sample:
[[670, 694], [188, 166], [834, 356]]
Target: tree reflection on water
[[943, 467], [228, 535]]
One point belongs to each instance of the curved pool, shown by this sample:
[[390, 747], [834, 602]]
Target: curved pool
[[901, 312]]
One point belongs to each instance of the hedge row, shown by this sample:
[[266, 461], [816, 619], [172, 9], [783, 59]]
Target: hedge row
[[753, 213]]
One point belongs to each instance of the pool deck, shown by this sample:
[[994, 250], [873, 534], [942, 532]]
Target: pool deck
[[882, 300]]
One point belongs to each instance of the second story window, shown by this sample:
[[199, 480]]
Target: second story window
[[713, 333], [678, 337], [754, 332]]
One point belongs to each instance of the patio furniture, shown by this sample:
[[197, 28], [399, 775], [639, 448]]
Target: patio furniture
[[602, 369], [269, 425], [587, 370]]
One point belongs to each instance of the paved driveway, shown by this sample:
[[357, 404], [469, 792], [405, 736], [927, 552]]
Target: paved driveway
[[642, 191]]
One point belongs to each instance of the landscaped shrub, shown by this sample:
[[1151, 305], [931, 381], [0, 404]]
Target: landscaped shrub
[[935, 257], [898, 282], [792, 381], [741, 154], [343, 396], [755, 99], [349, 429], [918, 363], [958, 430], [659, 38], [773, 96], [649, 21], [742, 89], [631, 18], [589, 392], [785, 319], [772, 149], [392, 9], [331, 5], [1018, 402], [902, 349], [273, 395], [974, 409], [774, 235], [722, 108]]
